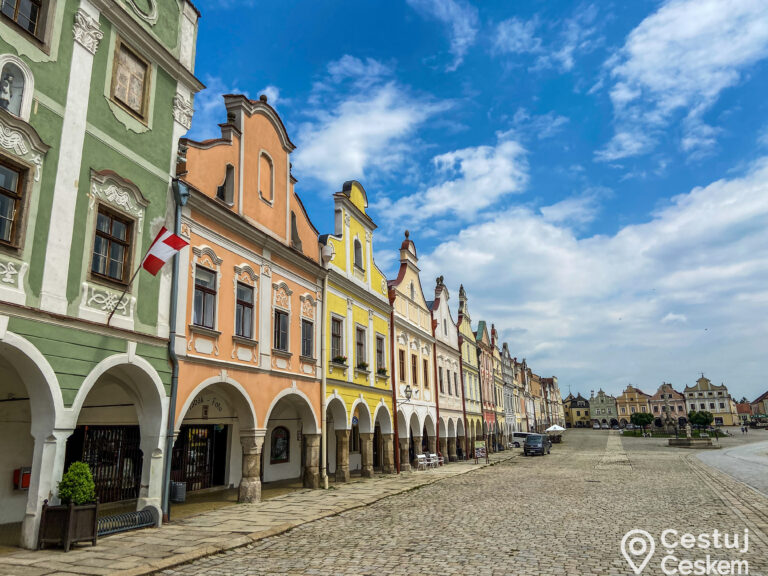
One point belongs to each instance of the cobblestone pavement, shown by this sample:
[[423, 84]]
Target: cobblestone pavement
[[561, 514], [146, 551]]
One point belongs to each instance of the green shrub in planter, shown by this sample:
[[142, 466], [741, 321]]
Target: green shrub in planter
[[77, 485]]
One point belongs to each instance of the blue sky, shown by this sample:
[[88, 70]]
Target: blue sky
[[593, 173]]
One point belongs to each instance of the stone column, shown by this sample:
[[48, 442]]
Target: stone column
[[444, 449], [432, 444], [250, 483], [342, 455], [366, 454], [416, 450], [47, 467], [452, 456], [151, 488], [387, 454], [312, 461], [405, 464]]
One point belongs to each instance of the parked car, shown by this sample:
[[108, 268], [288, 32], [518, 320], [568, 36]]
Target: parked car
[[605, 426], [518, 438], [615, 427], [536, 444], [595, 426]]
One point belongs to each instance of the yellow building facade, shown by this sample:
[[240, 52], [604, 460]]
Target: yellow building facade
[[631, 401], [708, 397], [356, 337]]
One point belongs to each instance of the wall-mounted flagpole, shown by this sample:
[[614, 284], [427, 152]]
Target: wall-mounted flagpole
[[120, 300]]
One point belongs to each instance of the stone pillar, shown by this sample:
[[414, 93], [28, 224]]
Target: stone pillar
[[387, 454], [250, 483], [416, 450], [312, 461], [342, 455], [452, 456], [405, 464], [151, 489], [444, 449], [432, 444], [366, 454], [47, 467]]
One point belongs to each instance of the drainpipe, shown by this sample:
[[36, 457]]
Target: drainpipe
[[325, 254], [437, 390], [463, 400], [396, 443], [180, 197]]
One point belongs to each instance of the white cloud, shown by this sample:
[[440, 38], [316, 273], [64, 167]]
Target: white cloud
[[575, 211], [515, 36], [467, 181], [209, 108], [680, 59], [273, 95], [363, 123], [596, 311], [542, 126], [459, 16]]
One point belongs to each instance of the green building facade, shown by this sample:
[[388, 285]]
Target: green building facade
[[94, 95]]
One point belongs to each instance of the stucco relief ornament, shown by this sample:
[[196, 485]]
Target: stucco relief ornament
[[266, 270], [107, 301], [182, 111], [281, 298], [149, 16], [8, 272], [11, 139], [307, 309], [87, 31]]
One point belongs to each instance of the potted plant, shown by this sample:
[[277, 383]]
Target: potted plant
[[76, 519], [382, 372], [342, 360], [362, 366]]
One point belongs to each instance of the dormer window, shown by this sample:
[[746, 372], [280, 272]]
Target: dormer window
[[226, 192], [359, 254]]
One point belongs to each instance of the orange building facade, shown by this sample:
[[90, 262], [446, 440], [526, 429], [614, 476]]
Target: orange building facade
[[249, 395]]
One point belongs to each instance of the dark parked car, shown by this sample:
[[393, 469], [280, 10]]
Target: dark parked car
[[537, 444]]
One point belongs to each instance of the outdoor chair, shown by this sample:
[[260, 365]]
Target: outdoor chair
[[421, 462]]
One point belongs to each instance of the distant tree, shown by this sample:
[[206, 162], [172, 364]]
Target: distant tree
[[641, 419], [743, 400], [700, 419]]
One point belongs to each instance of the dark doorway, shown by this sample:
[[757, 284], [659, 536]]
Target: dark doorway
[[377, 447], [114, 455], [200, 456]]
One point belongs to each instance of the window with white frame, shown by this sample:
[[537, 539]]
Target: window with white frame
[[381, 362], [244, 311], [204, 305], [337, 338], [359, 255], [361, 360], [281, 331], [440, 378], [307, 338]]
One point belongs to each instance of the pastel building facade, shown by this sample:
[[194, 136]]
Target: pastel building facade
[[667, 400], [602, 409], [95, 95], [470, 371], [412, 352], [358, 364], [487, 383], [705, 396], [632, 400], [249, 394], [448, 363]]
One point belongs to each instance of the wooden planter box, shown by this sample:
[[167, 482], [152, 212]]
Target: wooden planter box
[[67, 524]]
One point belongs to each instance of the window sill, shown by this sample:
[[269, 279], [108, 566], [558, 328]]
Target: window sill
[[107, 282], [203, 331], [337, 365], [362, 371], [308, 359], [281, 353], [382, 376], [245, 341]]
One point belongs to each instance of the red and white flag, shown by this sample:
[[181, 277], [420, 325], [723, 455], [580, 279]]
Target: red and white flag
[[166, 244]]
